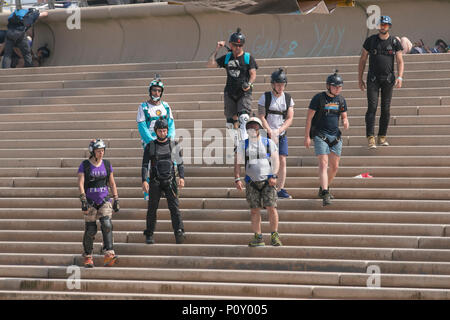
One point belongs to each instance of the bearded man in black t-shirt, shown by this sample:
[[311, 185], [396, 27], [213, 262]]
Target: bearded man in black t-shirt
[[382, 48], [241, 73]]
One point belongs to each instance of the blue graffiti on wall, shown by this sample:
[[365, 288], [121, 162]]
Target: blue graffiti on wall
[[328, 40], [264, 47]]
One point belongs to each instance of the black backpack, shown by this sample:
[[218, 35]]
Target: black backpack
[[91, 182], [268, 98], [319, 113]]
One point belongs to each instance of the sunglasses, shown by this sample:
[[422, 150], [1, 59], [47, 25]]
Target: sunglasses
[[156, 90], [237, 44]]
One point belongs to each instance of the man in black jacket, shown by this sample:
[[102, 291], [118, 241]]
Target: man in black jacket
[[382, 48], [158, 164]]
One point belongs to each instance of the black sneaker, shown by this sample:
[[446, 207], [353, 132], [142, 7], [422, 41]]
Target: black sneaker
[[320, 193], [179, 237], [149, 239], [326, 197]]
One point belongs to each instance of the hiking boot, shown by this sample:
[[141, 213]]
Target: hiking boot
[[257, 241], [88, 262], [320, 193], [149, 239], [109, 260], [275, 239], [371, 141], [179, 237], [381, 140], [283, 194], [326, 197]]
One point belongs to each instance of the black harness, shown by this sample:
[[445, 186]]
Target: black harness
[[268, 98]]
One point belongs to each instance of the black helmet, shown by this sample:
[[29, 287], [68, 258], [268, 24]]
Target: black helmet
[[96, 144], [237, 37], [278, 76], [161, 123], [45, 51], [335, 79]]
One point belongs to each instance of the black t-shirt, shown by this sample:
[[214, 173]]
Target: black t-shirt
[[329, 123], [381, 54], [237, 73]]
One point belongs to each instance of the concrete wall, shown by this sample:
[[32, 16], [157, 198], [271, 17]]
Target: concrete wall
[[163, 33]]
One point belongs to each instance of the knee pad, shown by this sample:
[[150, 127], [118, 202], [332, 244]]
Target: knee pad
[[230, 123], [243, 118], [91, 228], [106, 224]]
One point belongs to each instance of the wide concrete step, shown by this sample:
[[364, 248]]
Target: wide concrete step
[[197, 69], [116, 135], [227, 182], [227, 172], [290, 227], [366, 162], [215, 111], [361, 216], [242, 276], [421, 193], [237, 238], [227, 150], [64, 121], [59, 295], [235, 263], [358, 101], [197, 64], [192, 85], [230, 276], [206, 250], [296, 141], [205, 93], [225, 289]]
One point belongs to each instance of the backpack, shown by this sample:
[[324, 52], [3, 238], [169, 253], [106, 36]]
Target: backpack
[[268, 100], [163, 165], [92, 182], [246, 58], [319, 113], [21, 17]]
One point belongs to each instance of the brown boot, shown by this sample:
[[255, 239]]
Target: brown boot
[[371, 141], [381, 140]]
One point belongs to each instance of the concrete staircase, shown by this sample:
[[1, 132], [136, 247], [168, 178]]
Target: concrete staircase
[[397, 221]]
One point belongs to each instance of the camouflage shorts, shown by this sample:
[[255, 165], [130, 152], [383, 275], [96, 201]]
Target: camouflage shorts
[[267, 197], [93, 214]]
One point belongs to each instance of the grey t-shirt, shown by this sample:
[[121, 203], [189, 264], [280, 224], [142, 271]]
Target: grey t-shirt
[[257, 168]]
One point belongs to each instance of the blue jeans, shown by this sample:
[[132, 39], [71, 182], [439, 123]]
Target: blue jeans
[[321, 147]]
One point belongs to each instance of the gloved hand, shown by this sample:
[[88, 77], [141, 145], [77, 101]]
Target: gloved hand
[[246, 85], [84, 203], [116, 206]]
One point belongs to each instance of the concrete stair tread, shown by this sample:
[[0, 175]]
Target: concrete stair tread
[[243, 276]]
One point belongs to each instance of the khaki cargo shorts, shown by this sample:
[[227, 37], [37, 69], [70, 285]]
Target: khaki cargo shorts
[[260, 194], [94, 214]]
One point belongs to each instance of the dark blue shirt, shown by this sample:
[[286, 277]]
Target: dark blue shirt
[[329, 122]]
